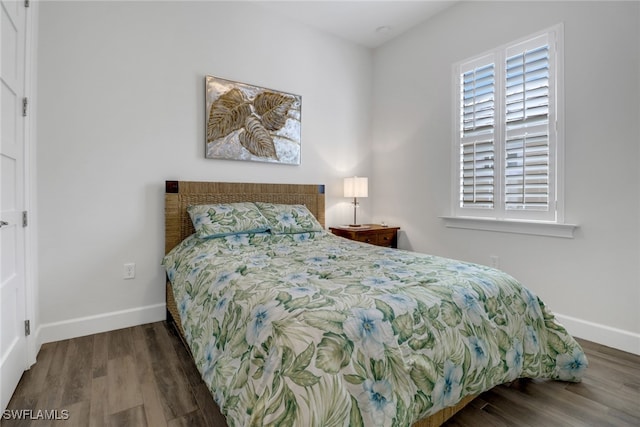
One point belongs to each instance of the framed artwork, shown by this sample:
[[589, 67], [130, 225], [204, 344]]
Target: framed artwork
[[245, 122]]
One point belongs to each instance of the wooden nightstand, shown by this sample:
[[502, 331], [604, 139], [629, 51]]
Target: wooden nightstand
[[374, 234]]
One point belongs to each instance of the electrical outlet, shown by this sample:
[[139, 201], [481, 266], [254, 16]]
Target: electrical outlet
[[129, 270]]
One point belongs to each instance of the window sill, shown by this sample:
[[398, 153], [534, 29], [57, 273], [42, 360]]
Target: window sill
[[538, 228]]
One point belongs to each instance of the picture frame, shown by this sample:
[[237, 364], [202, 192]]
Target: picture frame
[[252, 123]]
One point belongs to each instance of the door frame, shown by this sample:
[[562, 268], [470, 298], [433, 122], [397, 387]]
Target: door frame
[[30, 180]]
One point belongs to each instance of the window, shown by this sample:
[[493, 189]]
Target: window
[[508, 148]]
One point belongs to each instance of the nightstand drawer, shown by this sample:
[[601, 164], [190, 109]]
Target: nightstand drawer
[[373, 234], [371, 238], [388, 238]]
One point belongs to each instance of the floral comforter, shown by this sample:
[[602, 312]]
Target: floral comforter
[[315, 330]]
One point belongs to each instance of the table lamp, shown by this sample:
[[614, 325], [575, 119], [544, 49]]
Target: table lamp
[[356, 186]]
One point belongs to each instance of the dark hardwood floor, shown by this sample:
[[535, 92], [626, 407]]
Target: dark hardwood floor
[[143, 376]]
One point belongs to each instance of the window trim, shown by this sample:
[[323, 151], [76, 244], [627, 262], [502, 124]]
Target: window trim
[[538, 228], [496, 220]]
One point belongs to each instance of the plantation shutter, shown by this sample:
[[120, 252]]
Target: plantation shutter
[[508, 136], [477, 136], [526, 126]]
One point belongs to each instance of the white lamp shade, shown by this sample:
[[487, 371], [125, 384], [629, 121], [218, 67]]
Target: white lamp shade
[[356, 186]]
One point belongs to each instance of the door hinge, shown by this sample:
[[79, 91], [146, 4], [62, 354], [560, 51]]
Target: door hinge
[[26, 3], [25, 103], [25, 220], [27, 328]]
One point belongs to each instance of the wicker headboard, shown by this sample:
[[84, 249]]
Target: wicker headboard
[[180, 194]]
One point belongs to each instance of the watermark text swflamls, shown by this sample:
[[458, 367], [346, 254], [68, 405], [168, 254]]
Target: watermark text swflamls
[[35, 414]]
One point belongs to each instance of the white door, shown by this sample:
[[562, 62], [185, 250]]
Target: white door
[[13, 343]]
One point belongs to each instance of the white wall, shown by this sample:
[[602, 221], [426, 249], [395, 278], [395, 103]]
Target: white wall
[[121, 109], [593, 280]]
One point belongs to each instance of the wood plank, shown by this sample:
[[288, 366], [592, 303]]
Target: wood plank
[[100, 354], [614, 373], [123, 390], [201, 392], [623, 419], [52, 393], [153, 409], [34, 379], [28, 402], [152, 404], [98, 410], [184, 358], [173, 387], [132, 417], [142, 356], [78, 372], [77, 416], [473, 416], [616, 398], [618, 356], [119, 343], [214, 417], [192, 419], [511, 413], [547, 415]]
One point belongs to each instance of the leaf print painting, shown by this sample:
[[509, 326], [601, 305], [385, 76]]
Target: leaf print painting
[[245, 122]]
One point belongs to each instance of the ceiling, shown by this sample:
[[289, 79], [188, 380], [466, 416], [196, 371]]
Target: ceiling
[[364, 22]]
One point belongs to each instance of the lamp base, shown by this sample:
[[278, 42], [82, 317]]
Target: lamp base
[[355, 225]]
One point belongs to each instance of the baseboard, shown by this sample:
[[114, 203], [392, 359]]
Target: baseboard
[[79, 327], [601, 334]]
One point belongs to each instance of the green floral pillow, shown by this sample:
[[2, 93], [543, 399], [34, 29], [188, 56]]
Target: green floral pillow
[[226, 219], [289, 219]]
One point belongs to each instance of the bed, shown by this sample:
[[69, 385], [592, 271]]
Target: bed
[[291, 325]]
